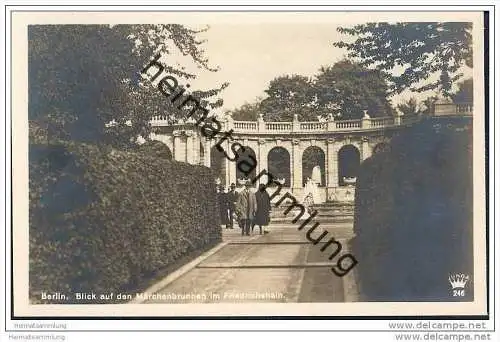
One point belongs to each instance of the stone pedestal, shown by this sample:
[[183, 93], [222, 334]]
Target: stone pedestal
[[261, 125]]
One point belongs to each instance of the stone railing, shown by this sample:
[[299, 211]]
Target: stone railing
[[348, 124], [295, 126], [245, 125], [278, 126], [159, 120], [313, 126], [381, 122], [461, 109]]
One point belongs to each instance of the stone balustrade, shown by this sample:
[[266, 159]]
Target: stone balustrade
[[245, 125], [292, 127], [445, 109], [295, 126]]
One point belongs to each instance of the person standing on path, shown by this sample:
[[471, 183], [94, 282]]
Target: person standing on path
[[246, 207], [263, 208], [223, 204], [231, 198]]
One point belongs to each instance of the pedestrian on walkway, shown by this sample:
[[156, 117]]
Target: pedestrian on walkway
[[263, 208], [223, 205], [231, 198], [246, 207]]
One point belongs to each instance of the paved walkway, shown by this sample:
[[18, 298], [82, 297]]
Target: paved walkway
[[282, 266]]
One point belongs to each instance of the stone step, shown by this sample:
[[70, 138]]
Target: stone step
[[321, 213], [287, 225], [319, 206], [317, 217]]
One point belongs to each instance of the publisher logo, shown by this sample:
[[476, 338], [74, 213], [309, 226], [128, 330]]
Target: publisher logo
[[458, 282]]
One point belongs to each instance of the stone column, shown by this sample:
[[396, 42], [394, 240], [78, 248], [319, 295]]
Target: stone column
[[262, 160], [190, 153], [366, 151], [230, 165], [196, 149], [296, 167], [331, 165], [208, 150], [178, 155]]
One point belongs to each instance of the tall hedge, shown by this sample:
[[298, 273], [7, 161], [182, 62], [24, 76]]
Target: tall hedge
[[103, 220], [413, 214]]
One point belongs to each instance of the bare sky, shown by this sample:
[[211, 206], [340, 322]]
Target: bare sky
[[250, 54], [261, 52]]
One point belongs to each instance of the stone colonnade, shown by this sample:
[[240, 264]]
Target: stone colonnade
[[188, 145]]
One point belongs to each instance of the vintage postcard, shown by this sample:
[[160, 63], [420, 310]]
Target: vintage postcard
[[174, 163]]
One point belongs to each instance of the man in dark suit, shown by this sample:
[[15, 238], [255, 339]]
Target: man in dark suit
[[231, 197], [223, 205]]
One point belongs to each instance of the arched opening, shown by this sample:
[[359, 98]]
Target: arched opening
[[380, 147], [313, 165], [246, 167], [218, 164], [278, 163], [349, 161]]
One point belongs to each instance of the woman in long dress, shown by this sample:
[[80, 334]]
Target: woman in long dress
[[263, 208]]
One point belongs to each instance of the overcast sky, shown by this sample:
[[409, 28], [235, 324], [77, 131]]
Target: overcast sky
[[250, 54], [263, 52]]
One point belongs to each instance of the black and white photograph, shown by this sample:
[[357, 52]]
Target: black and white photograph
[[249, 163]]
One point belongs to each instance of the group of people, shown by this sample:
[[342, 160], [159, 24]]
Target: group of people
[[247, 207]]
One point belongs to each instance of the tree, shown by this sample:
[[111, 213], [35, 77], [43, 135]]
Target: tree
[[465, 92], [428, 104], [346, 89], [89, 75], [247, 112], [289, 95], [419, 49], [410, 107]]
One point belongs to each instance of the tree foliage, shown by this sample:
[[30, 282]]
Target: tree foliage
[[82, 77], [428, 105], [289, 95], [465, 92], [343, 90], [247, 112], [346, 89], [410, 107], [409, 53]]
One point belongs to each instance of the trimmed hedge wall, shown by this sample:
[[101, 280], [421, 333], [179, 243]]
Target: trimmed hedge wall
[[103, 220], [413, 215], [156, 148]]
